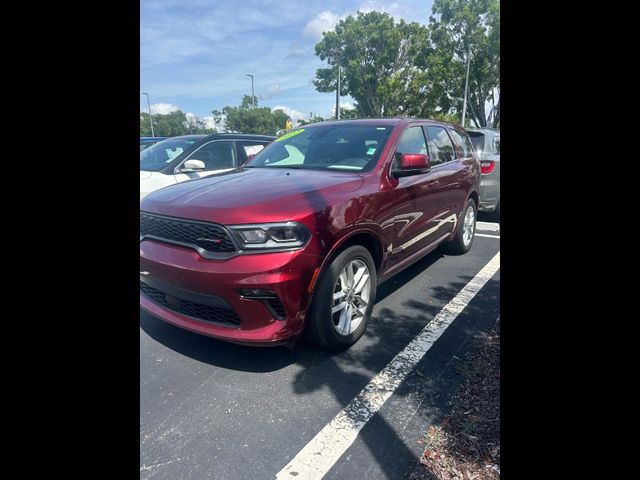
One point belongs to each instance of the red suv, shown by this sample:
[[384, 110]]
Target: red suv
[[298, 238]]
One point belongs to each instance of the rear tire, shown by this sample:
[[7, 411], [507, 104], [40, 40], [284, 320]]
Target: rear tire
[[343, 300], [465, 230]]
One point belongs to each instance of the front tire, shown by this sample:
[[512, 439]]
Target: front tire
[[465, 231], [343, 300]]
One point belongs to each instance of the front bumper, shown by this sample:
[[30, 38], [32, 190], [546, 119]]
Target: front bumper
[[186, 276]]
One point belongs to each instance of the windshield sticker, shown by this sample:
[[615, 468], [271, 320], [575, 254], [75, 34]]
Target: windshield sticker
[[290, 134], [371, 150]]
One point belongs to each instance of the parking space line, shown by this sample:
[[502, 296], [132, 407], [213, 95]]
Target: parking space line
[[488, 226], [318, 456], [487, 235]]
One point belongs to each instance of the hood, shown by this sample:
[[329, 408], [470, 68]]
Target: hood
[[145, 174], [253, 195]]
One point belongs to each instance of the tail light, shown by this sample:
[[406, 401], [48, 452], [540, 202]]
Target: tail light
[[487, 166]]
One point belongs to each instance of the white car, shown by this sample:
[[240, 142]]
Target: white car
[[187, 157]]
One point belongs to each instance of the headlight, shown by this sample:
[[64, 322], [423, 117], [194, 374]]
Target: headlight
[[271, 236]]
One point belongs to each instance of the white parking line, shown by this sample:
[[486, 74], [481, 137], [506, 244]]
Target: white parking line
[[324, 450], [490, 226], [487, 235]]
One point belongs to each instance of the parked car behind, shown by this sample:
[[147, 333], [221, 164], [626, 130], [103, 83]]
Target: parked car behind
[[298, 238], [486, 142], [187, 157], [146, 142]]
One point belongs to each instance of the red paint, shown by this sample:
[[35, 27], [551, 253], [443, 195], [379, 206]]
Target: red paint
[[414, 161], [487, 166], [405, 217]]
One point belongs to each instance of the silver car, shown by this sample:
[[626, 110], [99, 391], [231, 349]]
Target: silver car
[[486, 143]]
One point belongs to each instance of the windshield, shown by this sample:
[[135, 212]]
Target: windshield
[[333, 147], [157, 156]]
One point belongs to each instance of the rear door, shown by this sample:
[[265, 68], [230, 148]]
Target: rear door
[[420, 206]]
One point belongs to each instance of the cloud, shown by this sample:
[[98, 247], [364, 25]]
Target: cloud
[[295, 115], [160, 108], [269, 91], [343, 106], [209, 123], [322, 22]]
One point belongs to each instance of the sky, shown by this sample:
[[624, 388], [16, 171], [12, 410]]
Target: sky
[[195, 54]]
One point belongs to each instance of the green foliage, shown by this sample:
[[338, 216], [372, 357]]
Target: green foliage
[[467, 27], [247, 101], [348, 114], [172, 124], [446, 117], [246, 119], [370, 48], [406, 69], [314, 119]]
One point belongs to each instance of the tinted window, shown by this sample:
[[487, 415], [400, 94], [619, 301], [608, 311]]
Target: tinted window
[[496, 144], [464, 142], [412, 141], [331, 147], [439, 145], [248, 149], [477, 139], [157, 156], [215, 155]]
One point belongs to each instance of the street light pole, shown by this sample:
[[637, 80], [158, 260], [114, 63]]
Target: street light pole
[[150, 119], [338, 96], [253, 96], [466, 84]]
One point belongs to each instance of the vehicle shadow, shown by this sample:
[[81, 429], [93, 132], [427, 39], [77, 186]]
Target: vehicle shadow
[[345, 373], [262, 360], [489, 217]]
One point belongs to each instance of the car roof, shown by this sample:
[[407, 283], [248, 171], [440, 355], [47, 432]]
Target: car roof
[[239, 136], [483, 130], [152, 138], [377, 121], [391, 121]]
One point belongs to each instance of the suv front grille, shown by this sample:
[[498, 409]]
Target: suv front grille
[[208, 236], [191, 309]]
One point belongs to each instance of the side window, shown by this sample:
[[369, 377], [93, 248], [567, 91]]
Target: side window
[[496, 144], [440, 146], [215, 155], [248, 149], [464, 142], [411, 141]]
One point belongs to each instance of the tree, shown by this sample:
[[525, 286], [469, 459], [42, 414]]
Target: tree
[[406, 69], [370, 49], [348, 113], [246, 119], [247, 101], [172, 124], [461, 28]]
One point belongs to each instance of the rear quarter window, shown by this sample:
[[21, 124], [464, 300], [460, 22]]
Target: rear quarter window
[[463, 141]]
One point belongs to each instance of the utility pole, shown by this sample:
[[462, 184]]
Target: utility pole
[[338, 96], [150, 119], [466, 84], [253, 96]]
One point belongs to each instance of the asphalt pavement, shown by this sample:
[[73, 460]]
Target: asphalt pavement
[[210, 409]]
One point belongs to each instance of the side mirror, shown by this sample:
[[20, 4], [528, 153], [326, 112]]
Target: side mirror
[[413, 164], [192, 165]]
